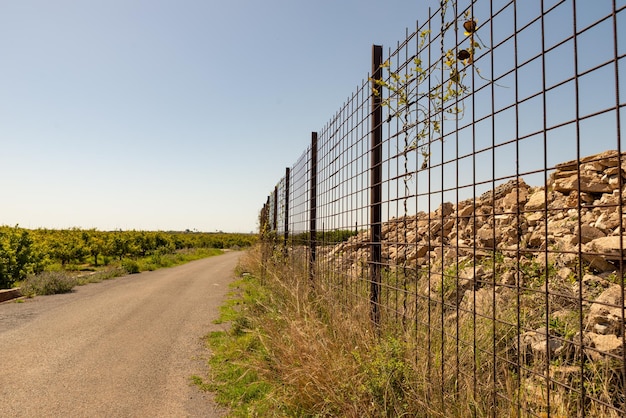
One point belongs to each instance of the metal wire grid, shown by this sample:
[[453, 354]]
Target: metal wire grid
[[542, 97]]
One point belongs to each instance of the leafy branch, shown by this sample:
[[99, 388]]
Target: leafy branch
[[423, 97], [420, 95]]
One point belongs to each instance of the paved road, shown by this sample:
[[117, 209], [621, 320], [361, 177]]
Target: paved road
[[121, 348]]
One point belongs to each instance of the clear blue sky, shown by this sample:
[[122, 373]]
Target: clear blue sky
[[171, 114], [176, 114]]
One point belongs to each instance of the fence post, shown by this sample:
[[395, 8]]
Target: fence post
[[376, 134], [286, 236], [262, 220], [265, 224], [275, 214], [265, 221], [313, 208]]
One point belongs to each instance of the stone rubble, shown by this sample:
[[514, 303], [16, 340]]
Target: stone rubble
[[538, 241]]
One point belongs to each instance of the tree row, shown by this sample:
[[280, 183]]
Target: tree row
[[24, 252]]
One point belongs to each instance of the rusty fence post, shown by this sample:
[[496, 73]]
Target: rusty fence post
[[275, 214], [264, 230], [313, 208], [376, 134], [286, 234]]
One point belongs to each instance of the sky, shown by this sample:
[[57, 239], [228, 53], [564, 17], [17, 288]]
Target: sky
[[171, 114], [546, 95], [184, 114]]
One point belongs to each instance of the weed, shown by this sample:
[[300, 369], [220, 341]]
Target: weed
[[535, 273], [297, 350], [101, 275], [387, 374], [565, 326], [232, 376], [131, 266], [48, 283]]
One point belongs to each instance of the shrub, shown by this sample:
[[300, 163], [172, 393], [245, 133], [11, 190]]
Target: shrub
[[48, 283], [131, 266]]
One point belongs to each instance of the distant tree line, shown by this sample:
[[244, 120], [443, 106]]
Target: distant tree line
[[24, 252], [324, 237]]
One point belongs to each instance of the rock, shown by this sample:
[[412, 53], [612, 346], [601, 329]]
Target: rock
[[605, 314], [592, 287], [597, 262], [422, 250], [536, 201], [614, 171], [435, 227], [607, 158], [502, 190], [485, 237], [534, 218], [444, 210], [585, 183], [585, 198], [609, 247], [599, 250], [610, 199], [508, 278], [515, 198], [591, 280], [607, 221], [564, 273], [537, 344], [479, 301], [603, 345], [471, 273], [613, 182], [466, 211], [536, 239], [593, 166], [588, 234], [554, 229]]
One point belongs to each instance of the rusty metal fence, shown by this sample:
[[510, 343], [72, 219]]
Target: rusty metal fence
[[470, 193]]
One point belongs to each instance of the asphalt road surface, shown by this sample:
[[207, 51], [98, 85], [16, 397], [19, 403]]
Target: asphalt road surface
[[125, 347]]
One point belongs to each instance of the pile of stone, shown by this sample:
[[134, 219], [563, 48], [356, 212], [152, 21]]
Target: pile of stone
[[570, 230]]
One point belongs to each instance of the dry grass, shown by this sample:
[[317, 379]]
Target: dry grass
[[321, 356]]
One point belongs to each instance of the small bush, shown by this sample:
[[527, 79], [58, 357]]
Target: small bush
[[48, 283], [131, 266]]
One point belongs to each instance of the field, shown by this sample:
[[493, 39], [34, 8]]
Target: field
[[48, 261]]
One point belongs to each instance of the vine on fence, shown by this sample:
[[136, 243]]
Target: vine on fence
[[426, 94], [423, 110]]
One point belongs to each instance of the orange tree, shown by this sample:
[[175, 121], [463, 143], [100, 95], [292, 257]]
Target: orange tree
[[18, 256]]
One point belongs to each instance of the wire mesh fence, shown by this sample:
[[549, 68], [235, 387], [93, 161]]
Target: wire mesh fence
[[470, 193]]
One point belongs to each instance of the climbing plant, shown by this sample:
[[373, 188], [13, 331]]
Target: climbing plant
[[422, 95]]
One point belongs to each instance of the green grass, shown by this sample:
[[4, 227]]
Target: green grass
[[157, 261], [291, 349], [232, 377], [286, 354]]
